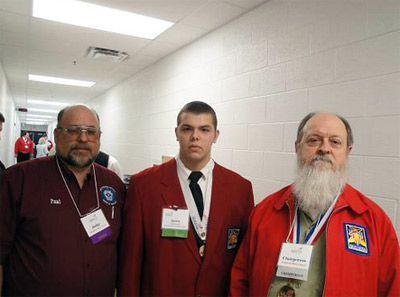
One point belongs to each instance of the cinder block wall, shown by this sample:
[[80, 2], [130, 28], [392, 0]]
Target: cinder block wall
[[262, 73], [12, 124]]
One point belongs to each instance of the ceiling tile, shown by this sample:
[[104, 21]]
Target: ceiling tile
[[247, 4], [12, 39], [212, 15], [181, 34], [18, 6], [159, 49], [14, 22]]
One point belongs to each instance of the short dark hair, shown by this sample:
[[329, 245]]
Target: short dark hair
[[62, 111], [300, 129], [198, 107], [2, 119]]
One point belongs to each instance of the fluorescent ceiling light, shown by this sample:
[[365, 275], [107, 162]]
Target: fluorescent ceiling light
[[35, 123], [40, 116], [37, 120], [61, 81], [44, 110], [47, 102], [99, 17]]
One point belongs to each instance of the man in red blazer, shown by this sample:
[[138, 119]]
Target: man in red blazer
[[180, 235], [24, 148]]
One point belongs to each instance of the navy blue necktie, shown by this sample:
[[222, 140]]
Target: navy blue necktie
[[196, 191]]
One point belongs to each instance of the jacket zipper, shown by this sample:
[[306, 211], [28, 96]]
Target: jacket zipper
[[327, 225], [290, 227]]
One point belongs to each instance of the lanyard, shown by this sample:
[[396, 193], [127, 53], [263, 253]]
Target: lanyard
[[315, 229], [200, 225], [70, 194]]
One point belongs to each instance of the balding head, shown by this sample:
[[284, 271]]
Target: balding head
[[73, 108]]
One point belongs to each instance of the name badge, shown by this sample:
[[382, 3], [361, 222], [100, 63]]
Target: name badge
[[294, 261], [96, 226], [175, 222]]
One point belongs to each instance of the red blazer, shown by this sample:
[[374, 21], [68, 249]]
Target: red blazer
[[151, 265], [20, 146]]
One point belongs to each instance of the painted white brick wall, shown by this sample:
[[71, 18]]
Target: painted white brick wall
[[263, 73], [12, 124]]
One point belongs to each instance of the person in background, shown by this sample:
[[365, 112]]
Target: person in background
[[2, 120], [60, 216], [47, 141], [319, 236], [41, 148], [109, 162], [24, 148], [202, 209]]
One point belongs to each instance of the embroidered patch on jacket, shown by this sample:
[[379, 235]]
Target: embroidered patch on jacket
[[356, 239], [232, 238], [108, 195]]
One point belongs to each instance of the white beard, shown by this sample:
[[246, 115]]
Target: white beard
[[315, 188]]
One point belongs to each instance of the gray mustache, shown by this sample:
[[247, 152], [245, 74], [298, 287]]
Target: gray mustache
[[80, 147], [322, 158]]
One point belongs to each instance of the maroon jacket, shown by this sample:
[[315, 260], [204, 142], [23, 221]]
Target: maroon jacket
[[45, 250], [152, 265]]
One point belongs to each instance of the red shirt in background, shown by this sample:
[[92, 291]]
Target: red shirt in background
[[24, 146]]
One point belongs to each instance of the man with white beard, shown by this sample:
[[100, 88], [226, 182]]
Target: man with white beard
[[318, 236]]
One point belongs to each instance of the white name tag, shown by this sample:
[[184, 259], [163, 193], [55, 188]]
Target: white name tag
[[175, 223], [96, 226], [294, 261]]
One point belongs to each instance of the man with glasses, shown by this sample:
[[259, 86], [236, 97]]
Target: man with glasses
[[61, 215], [319, 236]]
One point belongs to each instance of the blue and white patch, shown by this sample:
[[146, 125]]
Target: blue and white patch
[[357, 240], [232, 238], [108, 195]]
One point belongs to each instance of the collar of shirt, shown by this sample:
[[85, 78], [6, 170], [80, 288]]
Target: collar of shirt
[[71, 176], [183, 174]]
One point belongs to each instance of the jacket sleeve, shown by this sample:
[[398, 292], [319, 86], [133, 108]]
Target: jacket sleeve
[[248, 208], [32, 147], [131, 247], [389, 268]]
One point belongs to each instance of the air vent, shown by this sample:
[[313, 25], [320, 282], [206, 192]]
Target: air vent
[[106, 54]]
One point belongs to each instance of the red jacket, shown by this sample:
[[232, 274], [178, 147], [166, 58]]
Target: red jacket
[[24, 146], [372, 272], [152, 265]]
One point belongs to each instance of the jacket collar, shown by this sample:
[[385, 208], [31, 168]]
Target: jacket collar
[[172, 195]]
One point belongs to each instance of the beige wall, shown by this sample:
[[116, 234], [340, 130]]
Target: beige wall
[[12, 124], [262, 73]]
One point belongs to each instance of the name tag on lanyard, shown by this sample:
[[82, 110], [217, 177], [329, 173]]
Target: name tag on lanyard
[[96, 226], [175, 222], [294, 258], [294, 261]]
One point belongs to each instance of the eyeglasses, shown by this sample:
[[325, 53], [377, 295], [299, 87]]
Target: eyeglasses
[[76, 131]]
